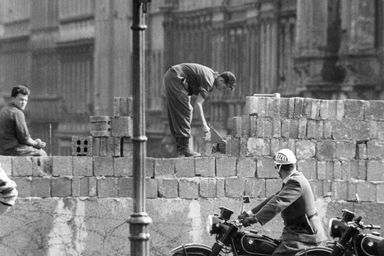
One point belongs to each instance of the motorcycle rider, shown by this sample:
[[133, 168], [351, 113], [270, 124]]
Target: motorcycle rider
[[295, 202]]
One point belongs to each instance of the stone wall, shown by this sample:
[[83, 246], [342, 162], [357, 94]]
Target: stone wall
[[79, 205]]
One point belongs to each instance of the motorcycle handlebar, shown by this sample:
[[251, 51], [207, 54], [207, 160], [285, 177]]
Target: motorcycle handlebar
[[370, 226]]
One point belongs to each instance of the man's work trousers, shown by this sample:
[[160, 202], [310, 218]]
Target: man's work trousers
[[178, 105]]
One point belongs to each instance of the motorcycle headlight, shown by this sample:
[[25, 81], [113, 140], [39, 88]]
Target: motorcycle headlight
[[212, 224], [336, 227]]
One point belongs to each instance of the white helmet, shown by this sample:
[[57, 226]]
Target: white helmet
[[284, 156]]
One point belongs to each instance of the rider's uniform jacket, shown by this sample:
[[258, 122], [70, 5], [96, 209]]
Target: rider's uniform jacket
[[296, 203]]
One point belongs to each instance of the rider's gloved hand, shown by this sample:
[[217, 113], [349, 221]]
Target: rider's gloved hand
[[243, 215], [247, 221]]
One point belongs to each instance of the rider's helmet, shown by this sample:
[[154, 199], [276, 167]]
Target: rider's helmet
[[284, 156]]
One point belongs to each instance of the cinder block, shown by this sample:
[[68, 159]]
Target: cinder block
[[258, 147], [92, 186], [340, 190], [122, 126], [246, 167], [305, 149], [123, 166], [308, 168], [375, 170], [234, 187], [220, 187], [339, 109], [126, 147], [61, 187], [168, 188], [341, 170], [122, 106], [82, 166], [265, 168], [151, 188], [354, 109], [6, 164], [285, 125], [291, 108], [24, 186], [255, 188], [114, 146], [237, 126], [164, 167], [302, 128], [327, 129], [324, 109], [272, 186], [185, 167], [149, 167], [225, 166], [325, 170], [314, 129], [341, 130], [307, 107], [366, 191], [41, 166], [284, 106], [276, 127], [100, 126], [82, 146], [361, 130], [325, 150], [107, 187], [354, 169], [205, 166], [208, 188], [189, 188], [251, 105], [363, 168], [375, 149], [103, 146], [299, 107], [374, 110], [253, 126], [245, 125], [41, 187], [345, 150], [103, 166], [233, 146], [62, 166], [264, 128], [273, 107], [315, 109], [22, 166], [96, 141], [76, 186], [125, 187]]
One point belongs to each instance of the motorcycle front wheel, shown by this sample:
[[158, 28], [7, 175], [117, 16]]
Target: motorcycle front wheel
[[191, 250]]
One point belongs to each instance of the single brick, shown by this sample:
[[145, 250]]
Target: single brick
[[96, 146], [122, 106], [341, 170], [363, 168], [261, 106], [246, 167], [345, 150], [284, 106], [341, 130], [307, 107], [325, 170], [299, 107], [245, 125], [234, 187], [272, 186], [22, 166], [253, 126], [327, 129], [41, 166], [151, 188], [324, 109], [121, 126], [255, 188], [302, 128], [354, 109], [103, 166], [165, 167], [276, 127], [149, 167], [126, 147], [236, 126], [76, 186], [291, 108], [314, 129], [376, 129], [61, 187], [354, 169], [84, 187], [82, 166], [332, 109], [325, 150], [375, 149], [123, 166], [82, 145], [375, 170], [205, 166], [125, 187], [340, 191], [168, 188], [6, 164], [315, 109], [361, 130], [308, 168], [24, 186], [251, 105], [273, 107], [293, 129], [41, 187], [366, 191], [92, 186], [374, 110], [62, 166], [107, 187], [208, 188], [258, 146], [264, 128], [189, 188], [185, 167], [243, 148], [113, 147], [225, 166], [265, 168], [100, 126], [233, 146], [305, 149], [285, 125]]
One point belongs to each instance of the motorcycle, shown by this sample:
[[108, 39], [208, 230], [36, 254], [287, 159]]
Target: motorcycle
[[351, 241], [232, 240]]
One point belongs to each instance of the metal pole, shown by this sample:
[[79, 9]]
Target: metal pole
[[139, 220]]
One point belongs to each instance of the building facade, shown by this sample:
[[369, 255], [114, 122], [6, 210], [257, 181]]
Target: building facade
[[76, 55]]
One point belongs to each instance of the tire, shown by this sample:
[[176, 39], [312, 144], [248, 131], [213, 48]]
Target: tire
[[191, 250]]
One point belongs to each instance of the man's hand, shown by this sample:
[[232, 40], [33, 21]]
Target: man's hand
[[247, 221], [243, 215], [40, 143]]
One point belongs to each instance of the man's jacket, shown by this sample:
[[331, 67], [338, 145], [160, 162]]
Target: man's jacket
[[295, 202]]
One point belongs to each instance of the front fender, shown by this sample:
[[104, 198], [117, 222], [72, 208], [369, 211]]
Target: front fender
[[194, 249], [315, 251]]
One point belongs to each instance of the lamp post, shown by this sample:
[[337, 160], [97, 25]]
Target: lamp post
[[139, 220]]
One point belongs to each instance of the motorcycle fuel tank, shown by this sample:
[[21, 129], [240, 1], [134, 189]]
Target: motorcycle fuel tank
[[257, 245]]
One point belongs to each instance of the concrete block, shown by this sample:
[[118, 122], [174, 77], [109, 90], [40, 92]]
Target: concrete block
[[264, 128], [345, 150], [122, 126], [82, 145], [24, 186], [208, 188], [285, 125], [233, 146], [272, 186], [114, 146], [363, 169], [366, 191], [253, 126], [22, 166], [189, 188], [100, 126], [291, 108], [276, 127], [341, 170], [61, 187], [265, 168], [122, 106], [324, 109], [284, 106], [220, 187], [41, 187], [123, 166], [308, 168], [225, 166], [75, 186], [307, 107], [245, 125], [293, 129], [325, 170], [80, 186], [96, 146], [315, 109], [251, 105], [375, 149], [258, 146], [243, 148], [42, 166], [375, 170], [103, 166], [82, 166], [361, 130], [126, 147], [341, 130], [168, 188], [302, 128], [327, 129], [234, 187], [237, 126], [299, 108], [261, 106], [374, 110], [255, 188], [92, 186], [6, 164], [125, 187], [314, 129], [339, 109], [354, 169], [354, 109], [149, 167], [165, 167], [340, 190], [107, 187], [151, 188], [305, 149], [185, 167], [325, 150], [62, 166], [246, 167], [273, 107], [205, 166]]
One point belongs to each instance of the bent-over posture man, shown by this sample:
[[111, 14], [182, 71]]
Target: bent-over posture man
[[15, 139], [181, 81], [296, 203]]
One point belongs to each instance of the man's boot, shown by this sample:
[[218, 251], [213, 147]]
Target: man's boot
[[183, 149]]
